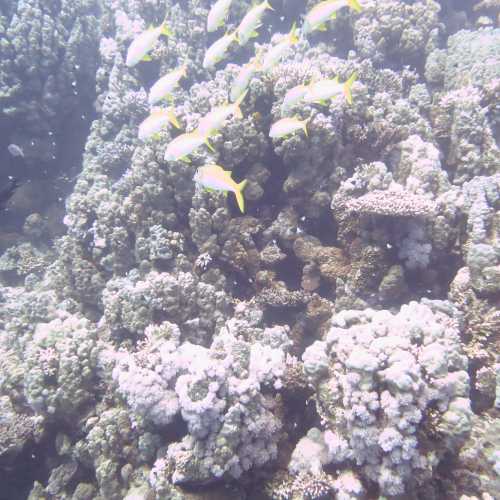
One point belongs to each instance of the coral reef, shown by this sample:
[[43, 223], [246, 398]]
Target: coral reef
[[392, 392], [47, 70], [338, 339]]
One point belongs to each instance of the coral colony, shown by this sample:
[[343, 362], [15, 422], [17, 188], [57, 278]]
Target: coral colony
[[279, 272]]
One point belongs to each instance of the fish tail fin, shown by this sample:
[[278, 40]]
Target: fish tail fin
[[209, 146], [293, 37], [347, 87], [165, 30], [238, 192], [237, 103], [304, 125], [173, 120], [354, 4]]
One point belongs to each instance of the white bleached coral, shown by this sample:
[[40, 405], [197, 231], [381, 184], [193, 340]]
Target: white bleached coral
[[392, 378], [221, 392]]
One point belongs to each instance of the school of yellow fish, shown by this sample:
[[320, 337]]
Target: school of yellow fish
[[317, 91]]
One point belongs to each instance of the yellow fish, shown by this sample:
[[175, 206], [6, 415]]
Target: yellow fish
[[184, 144], [165, 85], [218, 50], [216, 118], [139, 48], [323, 90], [293, 97], [243, 78], [251, 22], [323, 11], [287, 126], [218, 14], [158, 119], [215, 177], [277, 52]]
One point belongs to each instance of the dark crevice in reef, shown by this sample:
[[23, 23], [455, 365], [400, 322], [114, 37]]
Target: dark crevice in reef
[[240, 286], [289, 270], [285, 13], [33, 463], [324, 228], [444, 148], [175, 431], [273, 188], [282, 315], [326, 290]]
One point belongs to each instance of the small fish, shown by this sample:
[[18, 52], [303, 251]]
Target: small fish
[[15, 150], [215, 177], [324, 11], [323, 90], [287, 126], [293, 97], [215, 119], [218, 50], [277, 52], [184, 144], [243, 78], [166, 84], [158, 119], [139, 48], [252, 22], [218, 14]]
